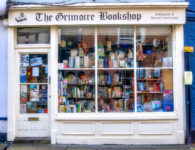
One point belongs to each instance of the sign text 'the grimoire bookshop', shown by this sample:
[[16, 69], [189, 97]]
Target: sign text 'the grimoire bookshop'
[[88, 17]]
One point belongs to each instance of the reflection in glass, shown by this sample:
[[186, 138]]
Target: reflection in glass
[[35, 35], [154, 47], [76, 48], [115, 47]]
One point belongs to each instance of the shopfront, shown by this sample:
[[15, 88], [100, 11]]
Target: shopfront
[[97, 74]]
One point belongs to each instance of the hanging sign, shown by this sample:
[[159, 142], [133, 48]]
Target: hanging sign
[[97, 16]]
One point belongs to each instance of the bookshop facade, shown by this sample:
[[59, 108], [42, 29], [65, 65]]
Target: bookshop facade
[[97, 74]]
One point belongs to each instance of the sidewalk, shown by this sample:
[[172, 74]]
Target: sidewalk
[[98, 147]]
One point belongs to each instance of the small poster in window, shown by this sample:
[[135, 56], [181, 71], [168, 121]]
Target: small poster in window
[[24, 60], [35, 71], [36, 61], [23, 94], [22, 108], [34, 93], [46, 69], [29, 105], [43, 93], [23, 71]]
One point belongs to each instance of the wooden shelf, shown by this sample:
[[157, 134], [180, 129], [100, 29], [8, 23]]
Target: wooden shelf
[[73, 69], [149, 92], [149, 79], [82, 98], [81, 84]]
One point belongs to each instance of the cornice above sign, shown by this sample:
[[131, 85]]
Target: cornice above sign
[[99, 16]]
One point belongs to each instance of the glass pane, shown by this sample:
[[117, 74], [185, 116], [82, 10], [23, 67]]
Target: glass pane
[[115, 47], [76, 91], [154, 46], [33, 83], [35, 35], [115, 91], [33, 68], [155, 90], [76, 47]]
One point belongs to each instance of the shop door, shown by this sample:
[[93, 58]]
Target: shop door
[[33, 118]]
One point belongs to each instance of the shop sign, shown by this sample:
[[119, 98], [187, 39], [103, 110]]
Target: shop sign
[[132, 16]]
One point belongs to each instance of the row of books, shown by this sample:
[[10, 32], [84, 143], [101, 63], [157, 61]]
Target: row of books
[[117, 106], [69, 106], [149, 87], [149, 74], [156, 103]]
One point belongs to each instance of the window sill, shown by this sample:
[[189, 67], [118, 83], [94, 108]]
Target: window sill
[[23, 46], [117, 116]]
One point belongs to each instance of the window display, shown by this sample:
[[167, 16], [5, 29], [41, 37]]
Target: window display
[[155, 81], [115, 77], [33, 83], [76, 89], [115, 48], [33, 35], [115, 91]]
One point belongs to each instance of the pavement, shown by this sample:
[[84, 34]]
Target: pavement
[[93, 147]]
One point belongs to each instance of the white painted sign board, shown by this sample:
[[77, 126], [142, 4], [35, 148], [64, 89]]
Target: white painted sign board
[[97, 16]]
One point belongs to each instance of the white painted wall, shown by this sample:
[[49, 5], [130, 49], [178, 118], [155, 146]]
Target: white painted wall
[[3, 76]]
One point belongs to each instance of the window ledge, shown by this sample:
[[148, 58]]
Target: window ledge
[[117, 116], [21, 46]]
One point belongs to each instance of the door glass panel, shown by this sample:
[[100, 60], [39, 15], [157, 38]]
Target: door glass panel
[[33, 83]]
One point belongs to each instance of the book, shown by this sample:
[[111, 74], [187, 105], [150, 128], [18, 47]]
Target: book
[[22, 108], [168, 104], [156, 105], [23, 93], [74, 52], [34, 93], [86, 61], [100, 63], [77, 62]]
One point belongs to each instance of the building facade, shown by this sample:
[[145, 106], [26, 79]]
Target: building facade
[[97, 73]]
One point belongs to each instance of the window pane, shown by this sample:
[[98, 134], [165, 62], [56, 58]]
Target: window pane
[[76, 47], [155, 90], [33, 35], [33, 83], [115, 91], [154, 47], [115, 47], [76, 90], [115, 85], [76, 87]]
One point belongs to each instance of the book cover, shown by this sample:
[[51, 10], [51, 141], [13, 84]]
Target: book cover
[[36, 61], [43, 93], [86, 61], [168, 103], [22, 108], [74, 52], [100, 63], [34, 93], [23, 93], [156, 105]]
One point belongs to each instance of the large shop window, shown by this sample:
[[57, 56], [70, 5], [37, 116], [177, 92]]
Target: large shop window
[[118, 69]]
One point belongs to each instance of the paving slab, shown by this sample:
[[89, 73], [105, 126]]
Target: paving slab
[[97, 147], [2, 146]]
